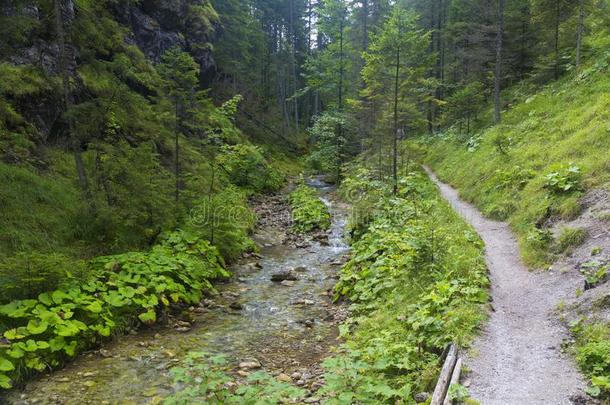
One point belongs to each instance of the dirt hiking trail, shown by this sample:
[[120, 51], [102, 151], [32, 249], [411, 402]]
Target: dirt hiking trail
[[517, 359]]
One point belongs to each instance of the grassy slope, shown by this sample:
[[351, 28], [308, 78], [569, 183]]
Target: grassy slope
[[567, 121]]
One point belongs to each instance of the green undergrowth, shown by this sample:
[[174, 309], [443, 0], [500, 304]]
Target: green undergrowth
[[532, 169], [416, 281], [308, 212], [592, 352], [206, 380], [43, 333]]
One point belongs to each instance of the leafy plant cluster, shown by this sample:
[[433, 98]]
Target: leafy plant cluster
[[417, 281], [595, 272], [42, 333], [592, 351], [205, 380], [308, 212], [564, 181], [570, 238], [247, 167]]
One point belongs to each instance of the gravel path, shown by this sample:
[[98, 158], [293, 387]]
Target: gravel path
[[517, 359]]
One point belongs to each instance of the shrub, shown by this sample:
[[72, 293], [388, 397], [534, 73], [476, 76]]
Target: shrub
[[248, 168], [26, 275], [204, 376], [592, 352], [417, 281], [225, 220], [308, 212]]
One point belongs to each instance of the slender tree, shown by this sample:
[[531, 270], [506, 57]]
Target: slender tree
[[580, 31], [498, 69], [396, 60], [62, 17], [181, 75]]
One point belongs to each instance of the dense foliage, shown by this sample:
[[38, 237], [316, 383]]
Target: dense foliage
[[42, 333], [592, 351], [416, 280], [309, 213]]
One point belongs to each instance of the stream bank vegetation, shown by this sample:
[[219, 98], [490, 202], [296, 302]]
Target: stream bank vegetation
[[309, 213], [416, 281]]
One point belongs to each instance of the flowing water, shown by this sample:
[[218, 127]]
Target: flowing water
[[286, 328]]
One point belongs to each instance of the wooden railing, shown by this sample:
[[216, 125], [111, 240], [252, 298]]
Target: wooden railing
[[450, 374]]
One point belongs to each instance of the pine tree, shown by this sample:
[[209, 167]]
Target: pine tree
[[395, 69], [180, 73]]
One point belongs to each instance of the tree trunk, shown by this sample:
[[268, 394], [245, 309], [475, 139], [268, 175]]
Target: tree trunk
[[67, 99], [341, 67], [557, 18], [395, 135], [581, 29], [294, 67], [341, 74], [177, 152], [498, 70]]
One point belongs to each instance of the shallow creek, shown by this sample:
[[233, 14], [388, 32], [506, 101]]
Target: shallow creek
[[286, 328]]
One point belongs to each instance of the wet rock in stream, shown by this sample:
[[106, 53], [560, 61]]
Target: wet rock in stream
[[283, 276]]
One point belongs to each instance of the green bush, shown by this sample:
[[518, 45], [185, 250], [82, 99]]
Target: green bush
[[45, 332], [226, 221], [592, 352], [308, 212], [204, 376], [248, 168], [26, 275]]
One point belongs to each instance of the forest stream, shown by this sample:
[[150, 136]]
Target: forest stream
[[287, 327]]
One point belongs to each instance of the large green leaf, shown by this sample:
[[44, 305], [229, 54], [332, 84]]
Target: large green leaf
[[67, 329], [6, 365], [37, 327], [5, 382], [149, 317], [95, 307], [59, 296], [16, 334]]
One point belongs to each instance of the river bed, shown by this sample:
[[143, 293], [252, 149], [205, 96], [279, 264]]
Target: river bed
[[289, 328]]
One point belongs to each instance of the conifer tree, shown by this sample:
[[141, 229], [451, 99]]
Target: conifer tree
[[180, 73]]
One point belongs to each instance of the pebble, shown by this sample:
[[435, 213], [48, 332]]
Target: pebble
[[287, 283], [284, 378], [250, 365]]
